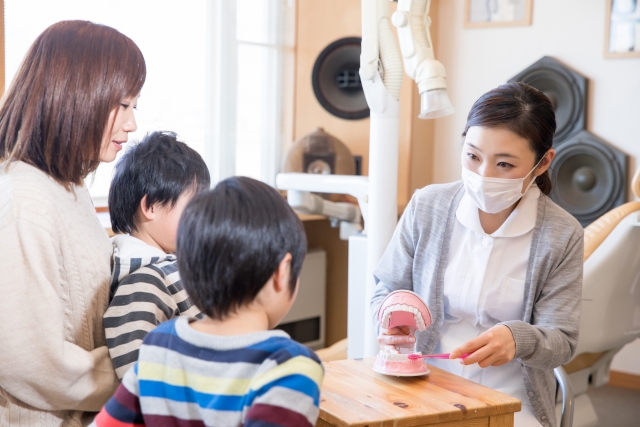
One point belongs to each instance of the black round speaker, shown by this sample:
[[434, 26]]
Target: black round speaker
[[590, 177], [565, 88], [336, 81]]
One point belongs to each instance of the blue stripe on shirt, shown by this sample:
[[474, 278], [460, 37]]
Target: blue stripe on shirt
[[222, 402]]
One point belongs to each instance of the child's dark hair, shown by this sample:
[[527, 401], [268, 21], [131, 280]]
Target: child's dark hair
[[232, 239], [522, 109], [160, 167]]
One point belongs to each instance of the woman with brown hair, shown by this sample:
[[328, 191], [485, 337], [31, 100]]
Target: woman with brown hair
[[498, 263], [69, 107]]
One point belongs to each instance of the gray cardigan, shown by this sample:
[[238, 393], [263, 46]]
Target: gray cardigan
[[547, 335]]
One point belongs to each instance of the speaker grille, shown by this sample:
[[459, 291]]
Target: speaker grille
[[567, 91], [590, 177], [336, 81]]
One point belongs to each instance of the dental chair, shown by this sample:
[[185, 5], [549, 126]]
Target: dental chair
[[610, 302]]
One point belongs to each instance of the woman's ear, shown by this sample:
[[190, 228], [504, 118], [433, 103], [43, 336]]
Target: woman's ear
[[147, 212], [282, 274], [546, 162]]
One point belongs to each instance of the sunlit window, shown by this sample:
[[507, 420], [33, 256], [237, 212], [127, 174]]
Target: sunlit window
[[211, 65]]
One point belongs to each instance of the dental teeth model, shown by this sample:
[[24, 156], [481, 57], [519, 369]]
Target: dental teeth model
[[402, 308]]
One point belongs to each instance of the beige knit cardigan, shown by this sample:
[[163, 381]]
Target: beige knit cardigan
[[54, 278]]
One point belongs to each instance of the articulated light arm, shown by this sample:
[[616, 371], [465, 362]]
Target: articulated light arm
[[381, 68], [380, 59], [300, 188], [412, 21], [381, 76]]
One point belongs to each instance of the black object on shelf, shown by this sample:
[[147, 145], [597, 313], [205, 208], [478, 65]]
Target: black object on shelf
[[358, 160], [302, 331]]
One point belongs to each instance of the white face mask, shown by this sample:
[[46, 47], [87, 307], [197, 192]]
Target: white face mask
[[493, 195]]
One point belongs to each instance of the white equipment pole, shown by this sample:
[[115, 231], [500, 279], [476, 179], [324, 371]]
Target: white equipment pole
[[381, 76], [381, 69], [382, 90]]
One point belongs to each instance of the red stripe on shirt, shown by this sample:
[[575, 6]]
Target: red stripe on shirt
[[127, 399], [171, 421], [103, 419], [276, 415]]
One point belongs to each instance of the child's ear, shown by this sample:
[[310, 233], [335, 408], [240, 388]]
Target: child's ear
[[148, 212], [282, 274]]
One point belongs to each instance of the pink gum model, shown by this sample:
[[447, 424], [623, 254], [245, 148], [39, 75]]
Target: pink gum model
[[402, 308]]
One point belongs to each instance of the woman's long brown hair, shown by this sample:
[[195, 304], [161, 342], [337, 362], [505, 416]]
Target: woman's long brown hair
[[54, 114]]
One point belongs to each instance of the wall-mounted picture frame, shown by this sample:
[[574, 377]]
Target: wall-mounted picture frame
[[622, 34], [497, 13]]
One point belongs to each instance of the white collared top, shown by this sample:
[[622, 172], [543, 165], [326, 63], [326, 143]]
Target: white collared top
[[484, 285], [484, 278]]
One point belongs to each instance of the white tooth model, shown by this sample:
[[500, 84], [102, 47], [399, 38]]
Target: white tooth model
[[402, 308]]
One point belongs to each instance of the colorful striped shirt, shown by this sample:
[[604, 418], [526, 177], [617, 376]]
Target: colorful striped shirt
[[186, 378]]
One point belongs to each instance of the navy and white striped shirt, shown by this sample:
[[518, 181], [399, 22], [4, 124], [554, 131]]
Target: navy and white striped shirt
[[145, 291]]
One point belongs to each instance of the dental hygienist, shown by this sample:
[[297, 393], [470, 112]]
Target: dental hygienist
[[498, 263]]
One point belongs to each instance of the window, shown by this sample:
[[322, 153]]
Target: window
[[219, 73], [252, 89]]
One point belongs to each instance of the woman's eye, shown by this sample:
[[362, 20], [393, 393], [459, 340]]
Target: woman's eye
[[504, 165], [125, 106], [472, 156]]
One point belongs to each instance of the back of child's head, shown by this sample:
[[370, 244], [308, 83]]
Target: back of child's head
[[231, 241], [159, 167]]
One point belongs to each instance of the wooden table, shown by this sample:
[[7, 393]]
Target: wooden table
[[353, 395]]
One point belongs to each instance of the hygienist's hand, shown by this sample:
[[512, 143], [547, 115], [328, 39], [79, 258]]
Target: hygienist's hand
[[389, 338], [494, 347]]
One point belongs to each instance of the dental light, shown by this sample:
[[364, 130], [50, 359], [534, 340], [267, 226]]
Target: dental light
[[381, 76], [412, 21]]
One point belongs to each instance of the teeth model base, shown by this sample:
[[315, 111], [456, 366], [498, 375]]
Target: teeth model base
[[399, 364]]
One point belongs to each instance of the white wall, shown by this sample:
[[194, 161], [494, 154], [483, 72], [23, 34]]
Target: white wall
[[572, 31], [628, 360]]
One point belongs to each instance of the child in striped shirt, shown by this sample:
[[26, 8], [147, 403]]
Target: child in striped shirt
[[152, 184], [240, 251]]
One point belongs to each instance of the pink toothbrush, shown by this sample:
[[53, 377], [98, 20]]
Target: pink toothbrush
[[433, 356]]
